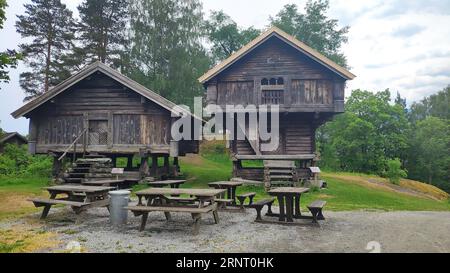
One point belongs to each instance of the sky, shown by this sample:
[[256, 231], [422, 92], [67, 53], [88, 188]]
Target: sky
[[395, 44]]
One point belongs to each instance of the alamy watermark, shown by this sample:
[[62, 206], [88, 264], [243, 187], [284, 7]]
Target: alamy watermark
[[258, 124]]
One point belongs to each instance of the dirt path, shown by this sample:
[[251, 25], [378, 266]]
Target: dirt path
[[341, 232]]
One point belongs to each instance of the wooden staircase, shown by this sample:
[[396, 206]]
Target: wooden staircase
[[279, 173], [91, 167]]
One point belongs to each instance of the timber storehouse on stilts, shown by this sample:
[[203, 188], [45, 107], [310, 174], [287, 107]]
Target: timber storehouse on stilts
[[99, 113], [276, 68]]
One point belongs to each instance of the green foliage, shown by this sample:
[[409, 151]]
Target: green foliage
[[102, 31], [314, 28], [226, 36], [8, 58], [167, 54], [437, 105], [394, 171], [429, 156], [49, 28], [15, 161], [366, 136]]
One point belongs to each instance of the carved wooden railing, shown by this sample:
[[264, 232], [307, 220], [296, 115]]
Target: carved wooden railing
[[74, 145]]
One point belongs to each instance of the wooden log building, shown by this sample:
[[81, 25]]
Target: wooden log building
[[12, 138], [98, 111], [277, 69]]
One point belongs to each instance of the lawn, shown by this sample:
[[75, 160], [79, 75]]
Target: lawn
[[14, 193], [342, 194]]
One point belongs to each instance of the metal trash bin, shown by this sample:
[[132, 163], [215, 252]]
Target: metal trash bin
[[118, 201]]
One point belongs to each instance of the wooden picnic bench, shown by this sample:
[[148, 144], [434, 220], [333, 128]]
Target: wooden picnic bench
[[244, 196], [167, 200], [260, 205], [79, 197], [175, 184], [194, 211], [316, 208]]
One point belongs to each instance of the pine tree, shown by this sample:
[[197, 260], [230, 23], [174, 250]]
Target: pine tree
[[8, 58], [102, 31], [167, 54], [314, 28], [50, 25]]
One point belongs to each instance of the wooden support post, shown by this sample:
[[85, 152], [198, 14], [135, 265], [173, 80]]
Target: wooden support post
[[154, 171], [176, 166], [166, 165], [237, 166], [130, 163], [57, 168], [144, 167], [114, 161]]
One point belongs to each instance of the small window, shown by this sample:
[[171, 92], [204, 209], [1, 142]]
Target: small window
[[273, 81], [280, 81], [264, 82]]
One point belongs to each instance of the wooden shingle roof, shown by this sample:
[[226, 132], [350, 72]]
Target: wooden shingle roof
[[274, 31], [86, 72], [9, 136]]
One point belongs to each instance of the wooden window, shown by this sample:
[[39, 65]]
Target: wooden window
[[98, 132], [273, 93], [264, 81], [272, 97]]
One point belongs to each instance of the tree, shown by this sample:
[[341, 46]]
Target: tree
[[225, 35], [167, 54], [429, 158], [437, 105], [51, 27], [314, 28], [8, 58], [363, 139], [102, 31]]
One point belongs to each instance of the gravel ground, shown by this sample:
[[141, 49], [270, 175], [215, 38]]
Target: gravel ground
[[341, 232]]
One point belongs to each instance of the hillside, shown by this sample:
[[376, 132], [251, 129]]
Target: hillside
[[346, 191]]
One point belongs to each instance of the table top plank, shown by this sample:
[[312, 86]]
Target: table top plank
[[167, 182], [78, 188], [288, 190], [226, 184], [104, 182], [170, 191]]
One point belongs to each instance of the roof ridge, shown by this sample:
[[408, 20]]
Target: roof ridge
[[307, 50]]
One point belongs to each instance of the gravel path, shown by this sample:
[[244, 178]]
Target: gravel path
[[341, 232]]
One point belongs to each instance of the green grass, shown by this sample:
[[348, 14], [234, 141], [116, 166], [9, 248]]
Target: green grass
[[13, 194], [341, 195]]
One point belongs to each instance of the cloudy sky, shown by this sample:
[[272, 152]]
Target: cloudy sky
[[396, 44]]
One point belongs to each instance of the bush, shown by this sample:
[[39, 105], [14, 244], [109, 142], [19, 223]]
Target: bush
[[394, 171], [15, 161]]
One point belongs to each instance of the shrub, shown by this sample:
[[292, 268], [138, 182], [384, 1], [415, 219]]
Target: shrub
[[394, 171], [16, 161]]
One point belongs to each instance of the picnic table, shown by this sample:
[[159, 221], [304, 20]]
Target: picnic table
[[289, 202], [229, 186], [118, 184], [163, 200], [175, 184], [79, 197]]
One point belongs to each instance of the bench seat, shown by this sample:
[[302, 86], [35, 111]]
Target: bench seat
[[244, 196], [259, 205], [170, 209], [194, 211], [44, 202], [316, 208]]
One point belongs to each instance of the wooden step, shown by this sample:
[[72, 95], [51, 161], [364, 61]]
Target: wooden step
[[280, 177], [273, 171], [74, 180], [76, 175]]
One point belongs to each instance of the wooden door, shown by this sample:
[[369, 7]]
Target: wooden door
[[98, 132]]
